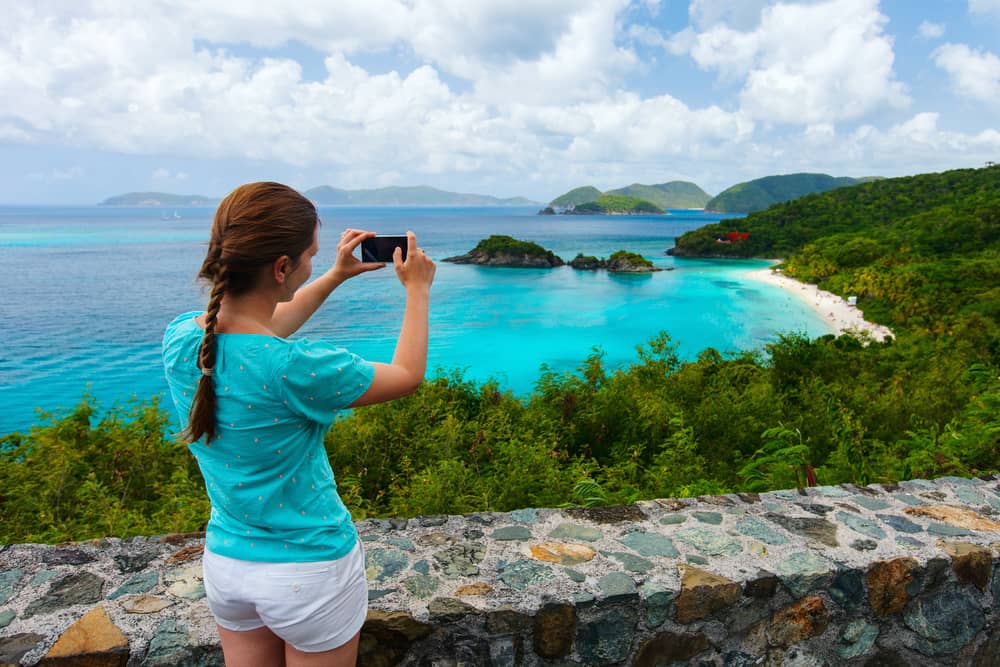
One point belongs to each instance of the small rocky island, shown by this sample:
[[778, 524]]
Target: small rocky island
[[498, 250], [619, 262]]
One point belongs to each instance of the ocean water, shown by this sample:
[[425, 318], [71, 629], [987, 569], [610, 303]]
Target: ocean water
[[87, 291]]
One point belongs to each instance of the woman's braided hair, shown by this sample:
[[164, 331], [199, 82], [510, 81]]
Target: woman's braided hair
[[255, 225]]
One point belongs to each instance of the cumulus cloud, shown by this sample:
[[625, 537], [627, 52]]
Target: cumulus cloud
[[802, 63], [973, 73], [928, 30]]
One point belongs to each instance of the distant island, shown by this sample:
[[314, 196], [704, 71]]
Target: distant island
[[506, 251], [609, 205], [419, 195], [158, 199], [762, 193], [325, 195], [632, 199], [622, 261]]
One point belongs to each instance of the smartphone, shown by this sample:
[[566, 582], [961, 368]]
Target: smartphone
[[380, 248]]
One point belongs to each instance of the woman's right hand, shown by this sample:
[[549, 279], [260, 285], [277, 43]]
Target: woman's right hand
[[418, 269]]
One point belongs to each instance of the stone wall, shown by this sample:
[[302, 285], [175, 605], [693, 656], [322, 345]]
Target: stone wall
[[879, 575]]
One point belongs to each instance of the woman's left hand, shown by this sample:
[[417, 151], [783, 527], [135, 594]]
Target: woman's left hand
[[347, 265]]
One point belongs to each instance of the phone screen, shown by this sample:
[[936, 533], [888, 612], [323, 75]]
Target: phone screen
[[380, 248]]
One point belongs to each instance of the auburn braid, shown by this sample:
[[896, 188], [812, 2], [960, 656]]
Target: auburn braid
[[202, 417]]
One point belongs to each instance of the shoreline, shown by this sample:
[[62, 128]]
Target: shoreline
[[835, 311]]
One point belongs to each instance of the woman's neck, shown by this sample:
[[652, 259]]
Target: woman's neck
[[249, 313]]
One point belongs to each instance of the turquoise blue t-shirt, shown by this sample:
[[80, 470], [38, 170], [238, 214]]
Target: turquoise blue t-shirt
[[273, 494]]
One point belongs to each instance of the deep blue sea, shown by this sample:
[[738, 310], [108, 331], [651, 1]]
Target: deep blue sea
[[87, 291]]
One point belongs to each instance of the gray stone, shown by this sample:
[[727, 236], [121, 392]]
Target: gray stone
[[69, 556], [461, 560], [864, 545], [760, 530], [696, 559], [944, 622], [710, 543], [848, 588], [820, 530], [617, 586], [803, 571], [398, 524], [857, 639], [818, 509], [76, 588], [995, 587], [135, 562], [673, 519], [650, 544], [449, 610], [6, 617], [658, 599], [607, 639], [969, 495], [528, 515], [8, 583], [631, 562], [860, 525], [908, 499], [830, 491], [741, 659], [140, 583], [171, 647], [42, 576], [583, 599], [508, 533], [421, 567], [472, 534], [404, 543], [947, 530], [524, 574], [956, 481], [503, 651], [432, 520], [381, 564], [611, 514], [421, 585], [13, 648], [575, 531], [873, 504], [575, 575], [909, 542], [713, 518], [379, 593], [185, 582], [899, 523]]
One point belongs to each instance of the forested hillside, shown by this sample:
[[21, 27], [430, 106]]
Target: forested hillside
[[922, 254], [758, 194]]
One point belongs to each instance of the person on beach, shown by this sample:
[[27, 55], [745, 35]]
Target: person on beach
[[284, 570]]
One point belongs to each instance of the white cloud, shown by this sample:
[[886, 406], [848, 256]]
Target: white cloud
[[928, 30], [974, 74], [984, 6], [805, 63]]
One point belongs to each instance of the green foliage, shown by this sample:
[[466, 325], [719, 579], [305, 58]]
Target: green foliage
[[576, 196], [761, 193], [79, 475], [629, 257], [675, 194], [498, 243], [608, 203]]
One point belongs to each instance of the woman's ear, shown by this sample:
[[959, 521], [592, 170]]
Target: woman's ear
[[281, 268]]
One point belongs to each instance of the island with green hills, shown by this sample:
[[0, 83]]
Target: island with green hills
[[506, 251], [760, 193]]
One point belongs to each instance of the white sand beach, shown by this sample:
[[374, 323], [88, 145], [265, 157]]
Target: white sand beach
[[840, 315]]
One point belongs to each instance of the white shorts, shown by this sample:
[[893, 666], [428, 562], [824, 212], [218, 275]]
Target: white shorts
[[312, 606]]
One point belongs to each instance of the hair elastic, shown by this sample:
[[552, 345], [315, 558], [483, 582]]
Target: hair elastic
[[207, 372]]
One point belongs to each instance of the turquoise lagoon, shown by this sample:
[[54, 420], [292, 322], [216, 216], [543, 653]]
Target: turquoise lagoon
[[87, 292]]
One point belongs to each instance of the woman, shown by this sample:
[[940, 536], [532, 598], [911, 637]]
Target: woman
[[283, 567]]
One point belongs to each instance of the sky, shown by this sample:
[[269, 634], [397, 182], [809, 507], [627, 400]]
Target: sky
[[503, 97]]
